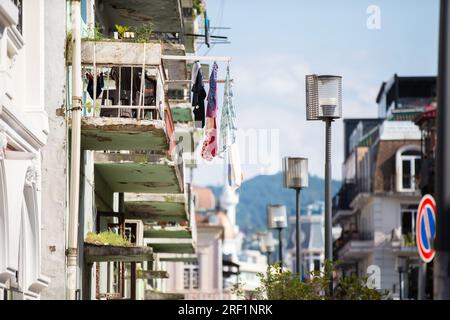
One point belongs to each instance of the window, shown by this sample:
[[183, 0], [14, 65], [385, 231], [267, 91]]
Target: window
[[191, 276], [408, 169], [316, 265], [408, 215]]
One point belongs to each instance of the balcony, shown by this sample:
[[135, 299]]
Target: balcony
[[403, 244], [165, 15], [342, 200], [353, 245]]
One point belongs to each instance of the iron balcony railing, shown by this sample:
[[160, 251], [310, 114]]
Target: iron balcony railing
[[124, 91], [345, 195]]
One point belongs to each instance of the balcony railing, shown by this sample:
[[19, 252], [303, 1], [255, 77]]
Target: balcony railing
[[345, 195], [348, 236], [124, 91]]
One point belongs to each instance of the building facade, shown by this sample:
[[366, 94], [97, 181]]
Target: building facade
[[377, 203], [32, 149]]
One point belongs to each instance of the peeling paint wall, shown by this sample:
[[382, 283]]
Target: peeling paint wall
[[54, 154]]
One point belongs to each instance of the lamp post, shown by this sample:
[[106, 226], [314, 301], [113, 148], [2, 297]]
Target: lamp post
[[401, 268], [267, 245], [295, 174], [277, 219], [324, 102], [441, 274]]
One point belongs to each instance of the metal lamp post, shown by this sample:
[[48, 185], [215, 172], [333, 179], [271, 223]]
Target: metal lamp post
[[401, 268], [277, 219], [324, 102], [295, 174], [267, 244]]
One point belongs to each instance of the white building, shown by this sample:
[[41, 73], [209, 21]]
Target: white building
[[377, 204], [32, 149], [311, 238], [201, 278]]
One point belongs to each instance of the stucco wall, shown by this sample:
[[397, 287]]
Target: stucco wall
[[54, 155]]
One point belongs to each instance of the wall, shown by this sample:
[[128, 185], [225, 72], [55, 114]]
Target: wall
[[383, 215], [54, 154]]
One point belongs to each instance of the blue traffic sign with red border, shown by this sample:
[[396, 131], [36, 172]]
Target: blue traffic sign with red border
[[426, 228]]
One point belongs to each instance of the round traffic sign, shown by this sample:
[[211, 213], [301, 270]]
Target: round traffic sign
[[426, 228]]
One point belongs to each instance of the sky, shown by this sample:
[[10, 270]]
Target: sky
[[274, 44]]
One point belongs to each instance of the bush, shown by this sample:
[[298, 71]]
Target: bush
[[280, 284]]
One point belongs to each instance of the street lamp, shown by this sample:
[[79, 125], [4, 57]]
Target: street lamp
[[401, 266], [295, 174], [277, 219], [324, 102], [267, 244]]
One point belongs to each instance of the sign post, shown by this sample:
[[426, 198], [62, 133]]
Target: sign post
[[426, 228], [425, 236]]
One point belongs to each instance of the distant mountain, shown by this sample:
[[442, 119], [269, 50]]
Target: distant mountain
[[256, 193]]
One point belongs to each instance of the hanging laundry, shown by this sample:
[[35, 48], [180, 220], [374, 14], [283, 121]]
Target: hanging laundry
[[198, 96], [90, 87], [228, 118], [209, 148], [235, 175], [228, 147], [211, 109]]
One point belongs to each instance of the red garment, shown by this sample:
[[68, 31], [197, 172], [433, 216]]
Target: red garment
[[209, 148]]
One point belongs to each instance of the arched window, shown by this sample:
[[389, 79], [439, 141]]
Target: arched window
[[408, 160]]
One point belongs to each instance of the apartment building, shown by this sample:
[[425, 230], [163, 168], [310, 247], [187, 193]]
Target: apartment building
[[33, 139], [377, 203], [136, 138]]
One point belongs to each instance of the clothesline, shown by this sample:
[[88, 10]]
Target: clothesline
[[195, 58], [188, 81]]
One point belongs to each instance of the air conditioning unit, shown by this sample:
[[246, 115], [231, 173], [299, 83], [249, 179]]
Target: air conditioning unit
[[323, 97]]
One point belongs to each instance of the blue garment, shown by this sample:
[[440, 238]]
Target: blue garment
[[211, 109]]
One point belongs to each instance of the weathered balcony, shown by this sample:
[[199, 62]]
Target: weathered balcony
[[124, 104], [138, 173]]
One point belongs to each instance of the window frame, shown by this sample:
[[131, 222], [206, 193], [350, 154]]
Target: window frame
[[412, 159]]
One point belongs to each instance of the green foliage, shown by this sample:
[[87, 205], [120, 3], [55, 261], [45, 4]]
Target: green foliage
[[281, 284], [121, 30], [143, 32], [408, 240], [107, 238], [95, 33], [198, 6]]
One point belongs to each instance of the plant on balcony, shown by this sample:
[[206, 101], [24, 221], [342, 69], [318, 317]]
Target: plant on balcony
[[143, 32], [107, 238], [408, 240], [121, 30], [198, 7], [94, 33], [281, 284]]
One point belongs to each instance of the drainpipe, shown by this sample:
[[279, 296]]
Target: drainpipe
[[74, 191]]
